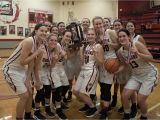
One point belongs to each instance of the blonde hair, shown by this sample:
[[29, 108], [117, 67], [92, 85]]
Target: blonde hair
[[92, 29], [50, 35]]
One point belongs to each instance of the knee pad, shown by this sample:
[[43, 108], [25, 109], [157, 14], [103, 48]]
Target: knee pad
[[105, 91], [106, 96], [47, 91], [39, 95], [58, 94], [65, 89]]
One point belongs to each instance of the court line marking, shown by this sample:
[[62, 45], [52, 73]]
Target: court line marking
[[154, 107], [6, 117], [151, 108], [6, 97]]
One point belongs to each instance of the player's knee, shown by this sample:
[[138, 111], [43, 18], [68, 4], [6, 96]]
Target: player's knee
[[65, 89], [141, 102], [106, 96], [125, 95], [58, 94], [105, 92], [47, 92], [39, 95]]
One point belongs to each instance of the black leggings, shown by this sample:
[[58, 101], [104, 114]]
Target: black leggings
[[105, 91]]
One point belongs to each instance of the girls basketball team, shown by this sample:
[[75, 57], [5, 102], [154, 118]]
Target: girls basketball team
[[50, 63]]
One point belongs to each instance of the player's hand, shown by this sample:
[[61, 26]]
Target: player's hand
[[95, 52], [55, 57], [38, 85], [82, 47], [40, 50], [134, 50]]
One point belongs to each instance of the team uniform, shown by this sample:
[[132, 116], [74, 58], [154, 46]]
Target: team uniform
[[15, 74], [88, 77], [45, 72], [109, 52], [124, 75], [135, 37], [58, 74], [144, 74], [106, 78]]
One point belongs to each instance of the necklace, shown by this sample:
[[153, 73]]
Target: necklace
[[89, 48], [128, 57]]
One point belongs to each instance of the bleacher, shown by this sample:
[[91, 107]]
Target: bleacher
[[150, 30], [153, 43]]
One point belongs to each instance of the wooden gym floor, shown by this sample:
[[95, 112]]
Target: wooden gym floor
[[8, 103]]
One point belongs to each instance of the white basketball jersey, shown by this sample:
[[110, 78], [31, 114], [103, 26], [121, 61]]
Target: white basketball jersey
[[89, 59], [138, 65], [12, 60], [109, 52], [135, 38]]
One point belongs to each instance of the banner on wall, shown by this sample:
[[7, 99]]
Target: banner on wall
[[38, 16], [6, 7], [9, 11]]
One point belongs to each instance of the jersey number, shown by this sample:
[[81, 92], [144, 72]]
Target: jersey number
[[133, 64]]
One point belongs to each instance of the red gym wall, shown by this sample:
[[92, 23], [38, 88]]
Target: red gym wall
[[132, 7]]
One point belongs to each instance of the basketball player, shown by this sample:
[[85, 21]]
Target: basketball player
[[59, 78], [92, 57], [59, 75], [54, 30], [98, 26], [16, 73], [49, 25], [85, 26], [131, 28], [49, 47], [144, 75], [110, 45], [117, 25], [61, 28], [121, 79], [72, 63], [108, 40], [106, 23]]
